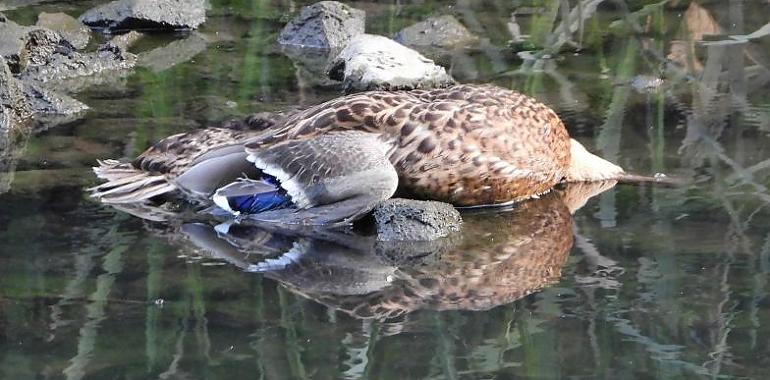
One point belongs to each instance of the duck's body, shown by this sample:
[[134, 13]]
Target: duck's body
[[469, 145]]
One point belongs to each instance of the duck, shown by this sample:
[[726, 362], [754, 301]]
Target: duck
[[470, 145]]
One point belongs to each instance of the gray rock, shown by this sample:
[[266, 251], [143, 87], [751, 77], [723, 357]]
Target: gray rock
[[12, 44], [54, 63], [411, 220], [42, 55], [441, 32], [174, 53], [14, 114], [14, 110], [372, 62], [22, 101], [47, 105], [323, 25], [146, 15], [7, 5], [67, 26], [311, 65]]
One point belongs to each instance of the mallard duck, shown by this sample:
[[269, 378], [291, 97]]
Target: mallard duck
[[469, 145]]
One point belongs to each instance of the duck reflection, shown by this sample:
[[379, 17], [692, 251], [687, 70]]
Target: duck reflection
[[498, 258]]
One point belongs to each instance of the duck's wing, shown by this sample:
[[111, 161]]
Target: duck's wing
[[331, 178]]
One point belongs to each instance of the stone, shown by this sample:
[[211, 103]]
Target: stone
[[12, 44], [74, 31], [311, 65], [47, 104], [124, 15], [53, 63], [14, 110], [440, 32], [323, 25], [410, 220], [372, 62], [174, 53]]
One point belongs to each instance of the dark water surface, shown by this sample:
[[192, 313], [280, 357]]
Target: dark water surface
[[641, 282]]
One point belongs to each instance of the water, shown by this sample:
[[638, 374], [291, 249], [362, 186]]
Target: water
[[642, 282]]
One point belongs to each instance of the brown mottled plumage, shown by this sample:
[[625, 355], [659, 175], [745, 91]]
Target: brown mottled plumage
[[468, 145]]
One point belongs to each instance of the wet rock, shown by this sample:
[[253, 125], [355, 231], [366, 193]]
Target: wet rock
[[74, 31], [14, 114], [311, 65], [125, 41], [441, 32], [372, 62], [7, 5], [49, 106], [12, 104], [323, 25], [22, 101], [12, 44], [146, 15], [174, 53], [54, 63], [411, 220], [14, 110], [42, 55]]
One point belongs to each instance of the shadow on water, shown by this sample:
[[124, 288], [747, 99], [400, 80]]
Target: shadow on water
[[641, 282]]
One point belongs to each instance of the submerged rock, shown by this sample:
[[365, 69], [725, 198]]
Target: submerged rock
[[174, 53], [146, 15], [50, 107], [372, 62], [67, 26], [412, 220], [323, 25], [311, 65], [441, 32]]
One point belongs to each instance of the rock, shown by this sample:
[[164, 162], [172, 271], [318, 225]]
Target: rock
[[14, 110], [372, 62], [53, 63], [323, 25], [411, 220], [67, 26], [146, 15], [14, 113], [21, 101], [311, 65], [441, 32], [174, 53], [7, 5], [12, 44], [125, 41], [47, 104], [43, 55]]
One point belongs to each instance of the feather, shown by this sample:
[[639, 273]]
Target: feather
[[252, 196]]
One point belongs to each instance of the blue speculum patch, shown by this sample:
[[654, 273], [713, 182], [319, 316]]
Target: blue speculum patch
[[263, 201]]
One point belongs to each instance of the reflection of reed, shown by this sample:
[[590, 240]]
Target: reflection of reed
[[95, 311]]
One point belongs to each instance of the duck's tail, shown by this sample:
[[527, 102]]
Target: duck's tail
[[127, 184]]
